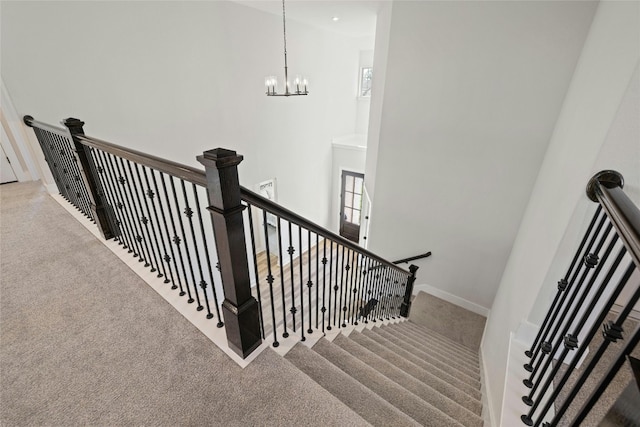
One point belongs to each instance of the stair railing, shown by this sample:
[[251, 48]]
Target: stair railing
[[314, 279], [156, 209], [606, 259]]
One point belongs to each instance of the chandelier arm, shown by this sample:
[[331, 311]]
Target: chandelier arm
[[286, 71]]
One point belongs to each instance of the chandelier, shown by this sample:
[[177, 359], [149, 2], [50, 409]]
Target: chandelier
[[300, 83]]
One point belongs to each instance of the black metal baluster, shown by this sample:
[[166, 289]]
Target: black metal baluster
[[570, 290], [365, 291], [373, 292], [603, 313], [353, 270], [329, 290], [140, 216], [317, 280], [77, 168], [381, 291], [157, 231], [301, 259], [63, 157], [176, 240], [168, 258], [342, 290], [309, 281], [590, 262], [285, 334], [612, 332], [324, 282], [397, 296], [117, 202], [570, 340], [67, 171], [124, 205], [109, 185], [255, 270], [362, 261], [81, 191], [48, 155], [291, 250], [131, 209], [189, 214], [562, 286], [391, 294], [270, 279], [186, 247], [146, 220]]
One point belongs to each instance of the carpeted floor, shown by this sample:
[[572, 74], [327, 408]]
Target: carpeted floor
[[83, 341]]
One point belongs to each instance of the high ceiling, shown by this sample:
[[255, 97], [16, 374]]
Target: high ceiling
[[355, 17]]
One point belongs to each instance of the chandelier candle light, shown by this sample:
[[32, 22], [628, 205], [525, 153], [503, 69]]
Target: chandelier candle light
[[271, 82]]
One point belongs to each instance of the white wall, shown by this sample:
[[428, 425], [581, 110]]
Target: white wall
[[178, 78], [577, 149], [471, 94]]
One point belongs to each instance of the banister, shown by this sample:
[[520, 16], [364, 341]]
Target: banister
[[31, 122], [284, 213], [605, 188], [413, 258], [188, 173]]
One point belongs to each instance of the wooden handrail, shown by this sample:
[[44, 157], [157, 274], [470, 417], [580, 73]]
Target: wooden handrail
[[606, 188], [284, 213], [31, 122], [413, 258], [188, 173]]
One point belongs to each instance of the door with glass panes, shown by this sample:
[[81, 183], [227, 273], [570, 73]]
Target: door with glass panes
[[351, 205]]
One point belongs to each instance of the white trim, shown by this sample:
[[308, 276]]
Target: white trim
[[487, 409], [17, 130], [350, 147], [7, 150], [453, 299]]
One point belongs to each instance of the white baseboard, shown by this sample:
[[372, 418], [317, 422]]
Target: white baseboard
[[51, 188], [453, 299], [487, 409]]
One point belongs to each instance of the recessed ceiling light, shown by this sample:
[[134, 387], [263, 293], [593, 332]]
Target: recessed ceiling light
[[335, 19]]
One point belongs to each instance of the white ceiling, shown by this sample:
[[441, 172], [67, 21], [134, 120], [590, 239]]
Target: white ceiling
[[357, 17]]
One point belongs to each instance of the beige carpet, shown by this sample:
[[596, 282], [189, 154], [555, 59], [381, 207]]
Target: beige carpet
[[83, 341], [452, 321]]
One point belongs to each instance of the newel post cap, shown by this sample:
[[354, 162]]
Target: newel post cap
[[605, 178], [73, 123], [220, 158]]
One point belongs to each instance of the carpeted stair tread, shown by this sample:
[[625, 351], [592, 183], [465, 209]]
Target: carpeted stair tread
[[413, 365], [352, 393], [433, 334], [457, 410], [406, 401], [423, 335], [458, 373], [437, 351]]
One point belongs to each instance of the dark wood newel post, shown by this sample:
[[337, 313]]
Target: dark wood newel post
[[406, 304], [240, 308], [89, 173]]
